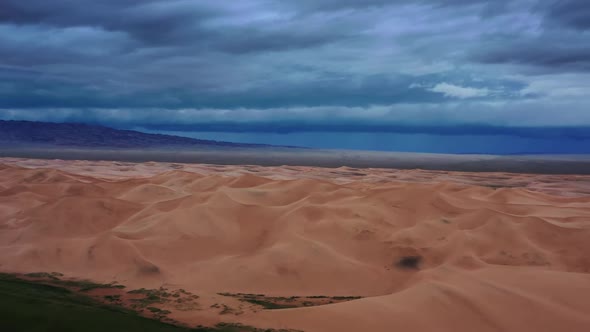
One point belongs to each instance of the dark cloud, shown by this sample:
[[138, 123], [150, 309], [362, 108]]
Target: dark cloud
[[167, 23], [154, 22], [570, 13], [490, 6], [559, 58], [554, 43], [332, 5], [269, 54], [21, 92]]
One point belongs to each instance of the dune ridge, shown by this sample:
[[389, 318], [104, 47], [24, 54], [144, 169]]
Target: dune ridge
[[487, 258]]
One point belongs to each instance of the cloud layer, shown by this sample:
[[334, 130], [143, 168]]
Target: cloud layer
[[314, 63]]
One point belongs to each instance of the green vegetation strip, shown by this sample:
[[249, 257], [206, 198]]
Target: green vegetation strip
[[82, 285], [268, 304], [271, 302], [35, 307]]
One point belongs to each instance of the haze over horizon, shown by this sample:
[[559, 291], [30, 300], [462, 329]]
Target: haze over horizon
[[427, 76]]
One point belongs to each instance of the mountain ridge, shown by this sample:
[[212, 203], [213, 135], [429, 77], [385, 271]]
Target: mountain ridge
[[36, 133]]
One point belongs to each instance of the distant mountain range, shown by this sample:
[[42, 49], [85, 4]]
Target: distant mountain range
[[31, 133]]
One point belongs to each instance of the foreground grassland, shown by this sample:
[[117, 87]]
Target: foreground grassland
[[36, 307]]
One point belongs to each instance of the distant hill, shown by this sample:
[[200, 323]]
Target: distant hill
[[31, 133]]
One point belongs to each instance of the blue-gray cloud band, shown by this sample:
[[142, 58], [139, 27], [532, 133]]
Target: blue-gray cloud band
[[498, 62]]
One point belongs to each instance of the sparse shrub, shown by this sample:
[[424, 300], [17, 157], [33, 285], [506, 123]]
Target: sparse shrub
[[340, 298]]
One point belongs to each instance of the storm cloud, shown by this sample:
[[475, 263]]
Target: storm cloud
[[325, 63]]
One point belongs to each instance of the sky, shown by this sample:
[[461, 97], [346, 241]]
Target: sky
[[308, 65]]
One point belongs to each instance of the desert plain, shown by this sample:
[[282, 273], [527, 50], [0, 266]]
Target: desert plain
[[308, 248]]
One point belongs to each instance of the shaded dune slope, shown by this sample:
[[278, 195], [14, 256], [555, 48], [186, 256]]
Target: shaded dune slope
[[486, 259]]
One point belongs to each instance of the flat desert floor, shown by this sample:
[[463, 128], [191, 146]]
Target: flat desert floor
[[308, 248]]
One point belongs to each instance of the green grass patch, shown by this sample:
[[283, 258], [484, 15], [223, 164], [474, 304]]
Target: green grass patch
[[267, 304], [44, 275], [236, 327], [82, 285], [281, 302], [346, 298], [36, 307]]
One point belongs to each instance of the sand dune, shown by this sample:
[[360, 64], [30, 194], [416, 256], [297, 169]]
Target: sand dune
[[490, 251]]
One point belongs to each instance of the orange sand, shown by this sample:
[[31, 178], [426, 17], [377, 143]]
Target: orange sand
[[500, 252]]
